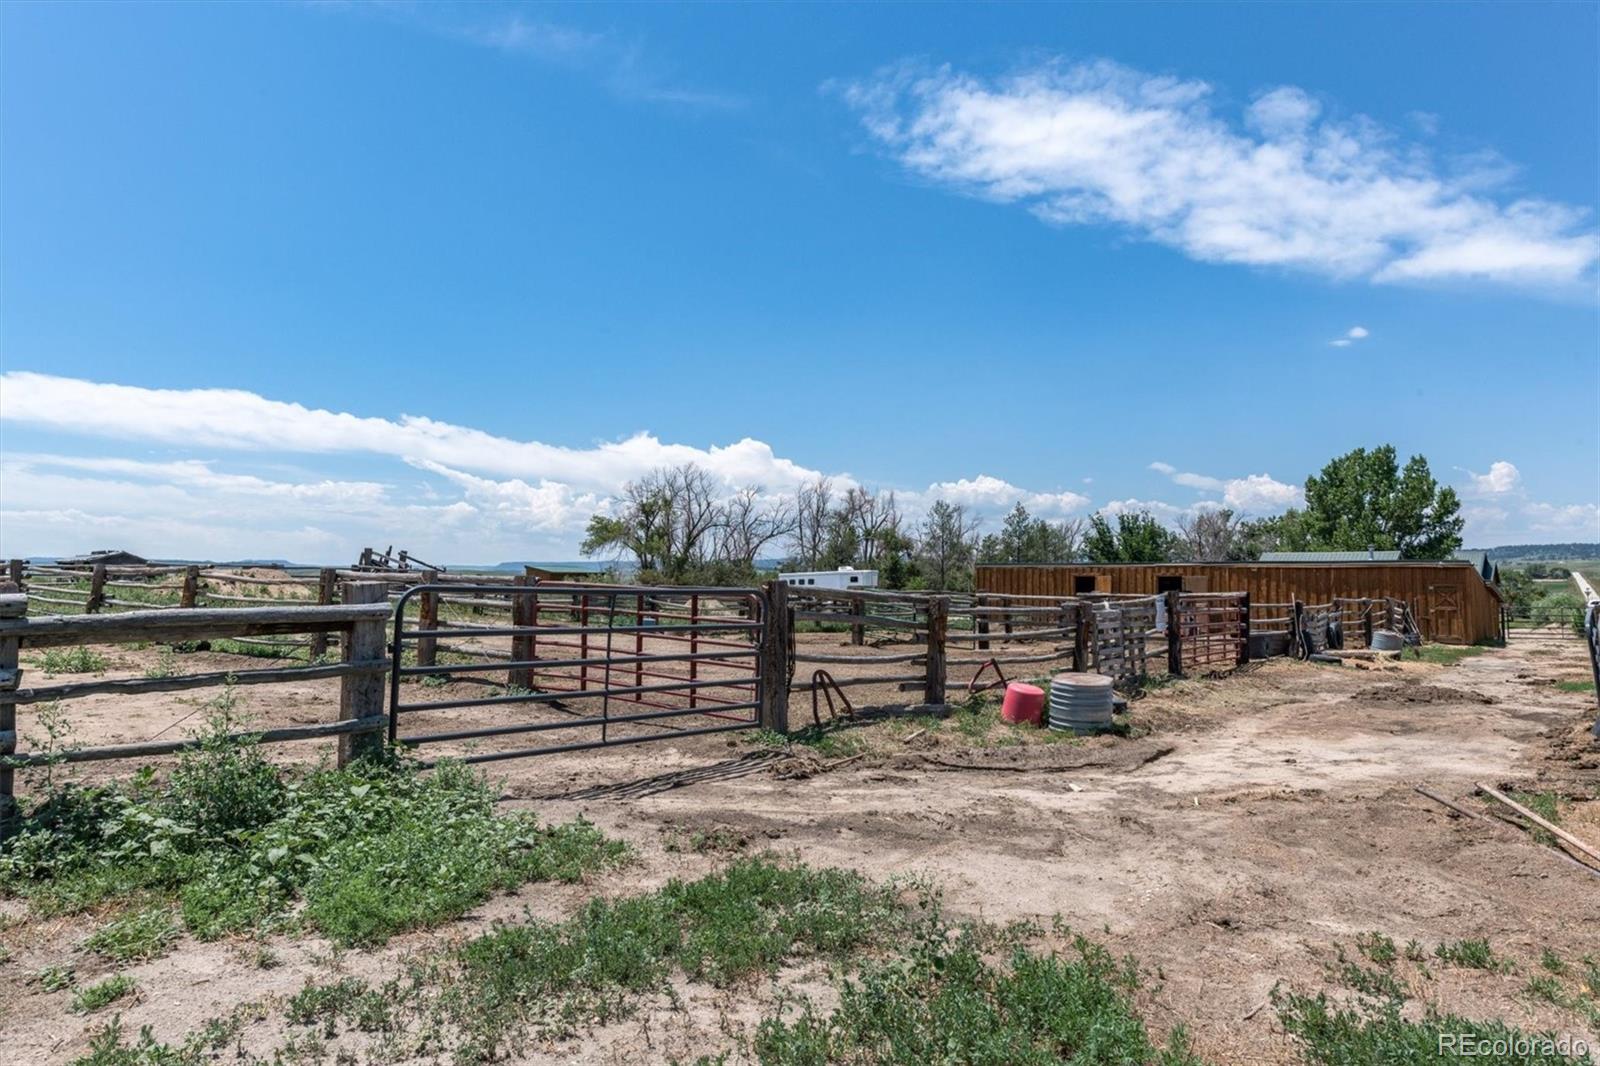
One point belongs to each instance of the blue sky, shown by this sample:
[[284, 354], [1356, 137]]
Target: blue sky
[[290, 279]]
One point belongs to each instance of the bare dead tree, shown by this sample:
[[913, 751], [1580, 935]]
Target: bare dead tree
[[1210, 536], [749, 523], [813, 504]]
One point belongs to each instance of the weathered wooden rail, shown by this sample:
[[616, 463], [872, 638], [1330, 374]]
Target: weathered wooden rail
[[360, 621]]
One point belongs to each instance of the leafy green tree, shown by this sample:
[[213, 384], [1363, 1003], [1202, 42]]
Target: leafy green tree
[[947, 546], [1025, 539], [1365, 498], [1136, 538]]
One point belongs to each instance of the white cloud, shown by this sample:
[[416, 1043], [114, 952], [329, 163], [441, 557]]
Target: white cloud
[[987, 494], [1098, 143], [484, 497], [1252, 494], [1353, 334], [1260, 494], [1502, 477], [235, 420]]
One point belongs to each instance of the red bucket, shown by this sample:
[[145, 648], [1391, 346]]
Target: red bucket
[[1023, 703]]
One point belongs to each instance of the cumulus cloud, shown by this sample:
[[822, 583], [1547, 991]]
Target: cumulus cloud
[[480, 495], [1284, 186], [989, 494], [1503, 477], [1252, 494]]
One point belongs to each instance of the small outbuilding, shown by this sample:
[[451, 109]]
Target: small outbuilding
[[1451, 600], [108, 556]]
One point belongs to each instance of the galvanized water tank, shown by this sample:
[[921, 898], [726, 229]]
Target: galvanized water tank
[[1386, 640], [1081, 703]]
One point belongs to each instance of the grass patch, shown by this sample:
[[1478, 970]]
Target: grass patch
[[1547, 806], [1448, 654], [944, 1002], [551, 978], [1474, 954], [103, 994], [141, 934], [1575, 686], [1335, 1036], [368, 851], [79, 660]]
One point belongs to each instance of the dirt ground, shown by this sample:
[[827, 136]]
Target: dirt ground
[[1245, 828]]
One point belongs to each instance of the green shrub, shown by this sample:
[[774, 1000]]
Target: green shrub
[[371, 849], [1334, 1036], [103, 994]]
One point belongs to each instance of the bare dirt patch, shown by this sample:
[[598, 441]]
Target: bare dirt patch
[[1240, 832]]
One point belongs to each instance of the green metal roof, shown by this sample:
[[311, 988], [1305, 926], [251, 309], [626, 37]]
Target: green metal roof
[[1331, 557]]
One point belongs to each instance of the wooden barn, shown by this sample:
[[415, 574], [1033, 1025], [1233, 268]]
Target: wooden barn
[[1451, 601]]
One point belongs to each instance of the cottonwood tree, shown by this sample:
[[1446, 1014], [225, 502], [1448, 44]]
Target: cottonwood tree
[[676, 524], [1025, 539], [947, 544], [1138, 537], [1365, 499]]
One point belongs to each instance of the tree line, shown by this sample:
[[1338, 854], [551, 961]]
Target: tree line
[[678, 527]]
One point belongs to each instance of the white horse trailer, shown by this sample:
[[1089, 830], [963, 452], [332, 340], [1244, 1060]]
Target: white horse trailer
[[845, 577]]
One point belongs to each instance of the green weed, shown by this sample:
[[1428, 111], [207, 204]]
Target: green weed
[[944, 1002], [370, 850], [553, 977], [98, 996], [1473, 954], [142, 934], [79, 660], [1335, 1036]]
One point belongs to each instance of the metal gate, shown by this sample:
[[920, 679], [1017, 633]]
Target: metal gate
[[481, 669]]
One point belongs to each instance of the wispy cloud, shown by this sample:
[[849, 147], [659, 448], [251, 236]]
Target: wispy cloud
[[1283, 185], [624, 67], [1351, 335]]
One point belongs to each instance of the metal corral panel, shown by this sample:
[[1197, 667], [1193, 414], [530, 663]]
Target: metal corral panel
[[1451, 601]]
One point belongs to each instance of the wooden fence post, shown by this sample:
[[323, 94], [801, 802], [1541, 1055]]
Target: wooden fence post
[[521, 643], [191, 587], [1174, 633], [858, 629], [428, 618], [14, 569], [97, 590], [361, 695], [13, 605], [938, 629], [1082, 632], [327, 579], [1244, 629], [1366, 621], [1297, 620], [980, 623], [774, 659]]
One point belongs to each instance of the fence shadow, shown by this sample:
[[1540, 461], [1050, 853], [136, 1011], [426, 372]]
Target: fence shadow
[[726, 770]]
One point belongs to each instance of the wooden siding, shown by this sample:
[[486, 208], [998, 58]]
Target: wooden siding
[[1427, 587]]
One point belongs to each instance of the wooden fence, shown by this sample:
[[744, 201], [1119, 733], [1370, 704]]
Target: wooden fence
[[359, 622]]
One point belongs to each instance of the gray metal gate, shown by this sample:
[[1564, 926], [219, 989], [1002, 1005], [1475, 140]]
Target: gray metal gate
[[486, 667]]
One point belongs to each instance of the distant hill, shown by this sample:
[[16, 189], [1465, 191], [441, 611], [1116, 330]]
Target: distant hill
[[1535, 553]]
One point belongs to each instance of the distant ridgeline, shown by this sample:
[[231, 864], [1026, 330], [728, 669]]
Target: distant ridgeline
[[1525, 553]]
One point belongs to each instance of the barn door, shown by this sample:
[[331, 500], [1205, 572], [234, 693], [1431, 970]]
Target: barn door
[[1445, 612]]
